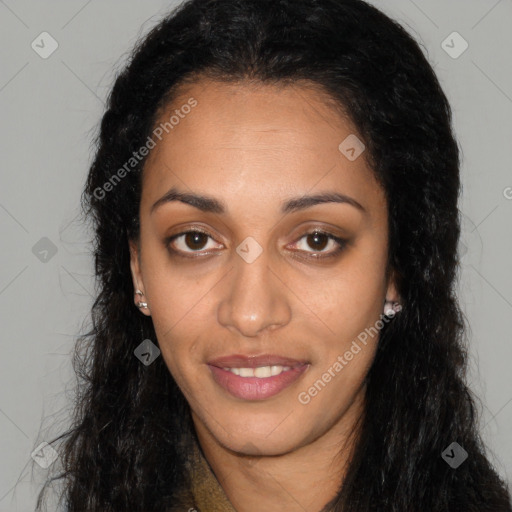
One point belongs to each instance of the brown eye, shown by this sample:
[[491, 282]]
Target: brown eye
[[189, 242], [318, 241], [195, 240]]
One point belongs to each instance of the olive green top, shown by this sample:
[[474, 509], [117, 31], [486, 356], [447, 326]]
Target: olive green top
[[205, 493]]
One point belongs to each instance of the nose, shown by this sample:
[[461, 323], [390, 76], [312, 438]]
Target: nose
[[254, 299]]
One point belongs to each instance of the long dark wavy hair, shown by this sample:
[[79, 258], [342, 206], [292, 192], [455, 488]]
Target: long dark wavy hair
[[131, 429]]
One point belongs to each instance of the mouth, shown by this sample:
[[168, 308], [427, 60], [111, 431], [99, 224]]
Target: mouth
[[256, 377]]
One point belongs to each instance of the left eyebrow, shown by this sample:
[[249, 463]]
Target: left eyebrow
[[209, 204], [301, 203]]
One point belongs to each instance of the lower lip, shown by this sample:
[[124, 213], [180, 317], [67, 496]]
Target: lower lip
[[254, 388]]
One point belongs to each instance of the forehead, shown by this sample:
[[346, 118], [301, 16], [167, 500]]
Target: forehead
[[254, 136], [235, 113]]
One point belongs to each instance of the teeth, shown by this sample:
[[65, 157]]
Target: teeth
[[261, 372], [276, 370], [246, 372]]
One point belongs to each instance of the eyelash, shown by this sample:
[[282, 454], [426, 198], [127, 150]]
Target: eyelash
[[312, 255]]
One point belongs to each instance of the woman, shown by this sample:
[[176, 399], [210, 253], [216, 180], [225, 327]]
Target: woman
[[274, 196]]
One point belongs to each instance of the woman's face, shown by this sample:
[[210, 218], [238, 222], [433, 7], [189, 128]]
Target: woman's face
[[256, 280]]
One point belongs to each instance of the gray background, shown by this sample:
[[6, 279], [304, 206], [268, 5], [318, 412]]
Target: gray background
[[50, 109]]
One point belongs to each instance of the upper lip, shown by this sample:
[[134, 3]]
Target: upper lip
[[241, 361]]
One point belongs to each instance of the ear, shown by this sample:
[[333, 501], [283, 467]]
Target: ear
[[138, 283], [392, 294]]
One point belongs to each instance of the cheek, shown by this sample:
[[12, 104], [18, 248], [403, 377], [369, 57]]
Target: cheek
[[174, 291], [182, 310], [352, 298]]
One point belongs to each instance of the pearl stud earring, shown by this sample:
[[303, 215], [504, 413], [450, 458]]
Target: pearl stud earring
[[141, 304], [391, 308]]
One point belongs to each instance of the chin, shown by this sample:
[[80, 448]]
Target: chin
[[251, 434]]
